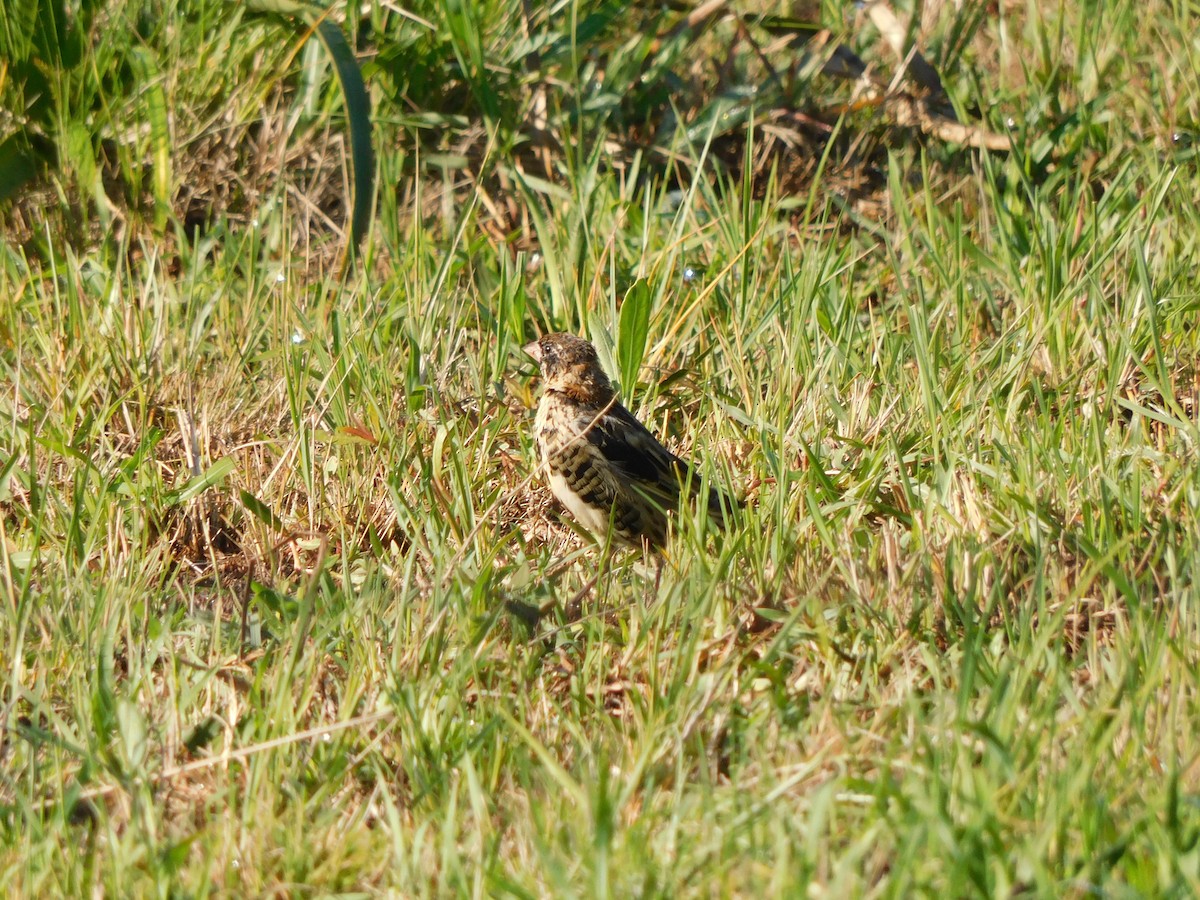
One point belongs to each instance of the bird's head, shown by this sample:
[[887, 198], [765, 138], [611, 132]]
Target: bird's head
[[570, 366]]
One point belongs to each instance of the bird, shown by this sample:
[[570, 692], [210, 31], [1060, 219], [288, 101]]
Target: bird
[[602, 464]]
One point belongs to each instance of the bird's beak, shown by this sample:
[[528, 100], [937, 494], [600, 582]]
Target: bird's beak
[[534, 349]]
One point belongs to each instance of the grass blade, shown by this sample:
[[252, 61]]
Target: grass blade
[[354, 96]]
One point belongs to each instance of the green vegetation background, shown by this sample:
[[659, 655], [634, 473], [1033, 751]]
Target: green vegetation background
[[284, 612]]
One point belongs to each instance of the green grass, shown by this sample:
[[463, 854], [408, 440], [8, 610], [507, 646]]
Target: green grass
[[266, 535]]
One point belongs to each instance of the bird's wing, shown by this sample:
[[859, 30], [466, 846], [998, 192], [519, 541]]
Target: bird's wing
[[638, 456]]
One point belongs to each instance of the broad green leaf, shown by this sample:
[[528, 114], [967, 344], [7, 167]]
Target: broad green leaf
[[146, 70], [131, 725], [216, 473], [633, 327], [260, 510]]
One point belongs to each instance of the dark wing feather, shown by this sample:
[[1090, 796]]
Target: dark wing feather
[[638, 456]]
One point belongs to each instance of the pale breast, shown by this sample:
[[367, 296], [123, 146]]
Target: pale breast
[[568, 463]]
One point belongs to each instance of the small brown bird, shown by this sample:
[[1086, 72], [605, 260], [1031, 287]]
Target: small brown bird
[[601, 462]]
